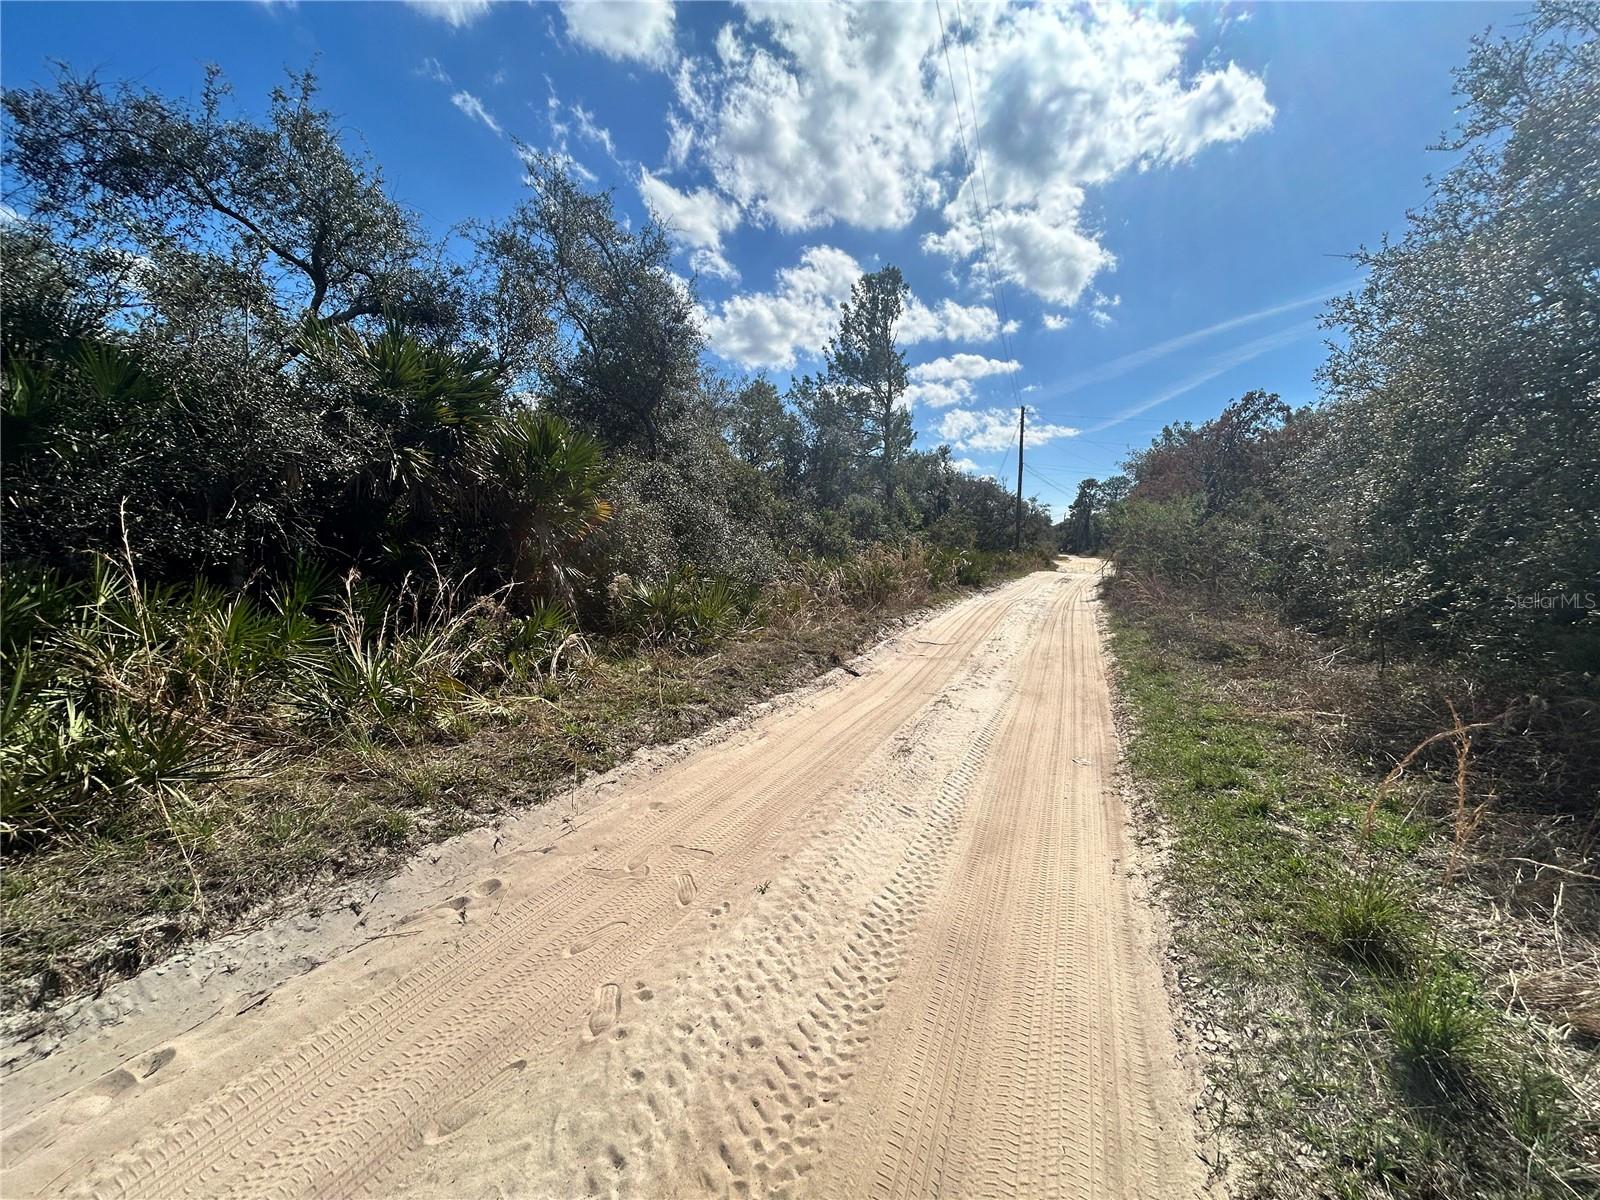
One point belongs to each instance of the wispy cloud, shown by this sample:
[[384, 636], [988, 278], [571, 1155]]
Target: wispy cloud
[[456, 13], [1140, 358], [1220, 365], [594, 131], [473, 107]]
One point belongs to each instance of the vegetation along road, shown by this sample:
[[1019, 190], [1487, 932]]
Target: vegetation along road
[[880, 940]]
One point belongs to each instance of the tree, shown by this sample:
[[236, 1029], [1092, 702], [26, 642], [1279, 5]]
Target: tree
[[762, 431], [587, 312], [1082, 528], [834, 439], [1238, 451], [1462, 462], [869, 370], [216, 225]]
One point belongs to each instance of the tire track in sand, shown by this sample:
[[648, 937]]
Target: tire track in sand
[[334, 1111], [877, 944], [1019, 1055]]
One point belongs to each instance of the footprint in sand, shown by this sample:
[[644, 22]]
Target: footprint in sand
[[443, 1126], [99, 1097], [584, 941], [159, 1059], [608, 1007], [683, 884]]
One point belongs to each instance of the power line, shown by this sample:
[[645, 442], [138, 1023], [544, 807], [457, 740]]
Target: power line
[[985, 228], [1022, 440], [1003, 474], [1051, 483], [983, 174], [966, 164]]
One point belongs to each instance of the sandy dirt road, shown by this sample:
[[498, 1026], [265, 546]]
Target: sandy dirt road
[[879, 941]]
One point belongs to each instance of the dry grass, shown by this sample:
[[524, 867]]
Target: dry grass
[[1516, 778], [1565, 996]]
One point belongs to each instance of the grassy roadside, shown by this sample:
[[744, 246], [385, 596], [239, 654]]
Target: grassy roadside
[[1354, 1043], [305, 814]]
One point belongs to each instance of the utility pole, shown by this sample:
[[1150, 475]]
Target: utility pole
[[1022, 436]]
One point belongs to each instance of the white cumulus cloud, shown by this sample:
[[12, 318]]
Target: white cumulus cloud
[[800, 313], [994, 429], [949, 321], [696, 220], [948, 381], [937, 393], [810, 114], [637, 30], [769, 329], [964, 366]]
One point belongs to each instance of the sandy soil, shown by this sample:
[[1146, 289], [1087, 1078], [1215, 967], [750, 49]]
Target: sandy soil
[[880, 939]]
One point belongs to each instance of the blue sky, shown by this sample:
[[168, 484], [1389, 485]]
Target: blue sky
[[1163, 194]]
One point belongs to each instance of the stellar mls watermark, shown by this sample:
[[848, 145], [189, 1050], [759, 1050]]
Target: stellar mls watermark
[[1555, 601]]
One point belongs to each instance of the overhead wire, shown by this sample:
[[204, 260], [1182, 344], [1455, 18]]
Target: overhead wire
[[1005, 460], [1049, 482], [983, 173], [981, 215]]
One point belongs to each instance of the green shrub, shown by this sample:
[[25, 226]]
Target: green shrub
[[686, 610]]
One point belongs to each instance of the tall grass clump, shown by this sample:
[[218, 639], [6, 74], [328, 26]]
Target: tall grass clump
[[101, 683], [684, 610], [1437, 1026], [1363, 919]]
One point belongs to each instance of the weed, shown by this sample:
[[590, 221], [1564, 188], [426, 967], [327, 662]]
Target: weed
[[1539, 1107], [685, 610], [386, 826]]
